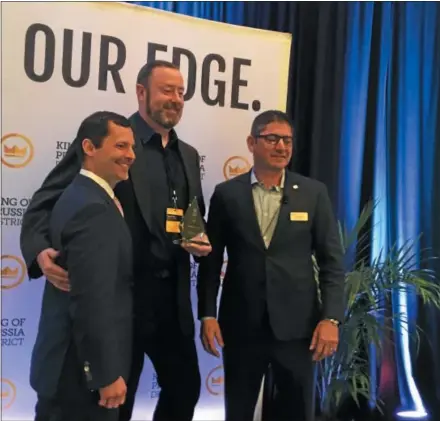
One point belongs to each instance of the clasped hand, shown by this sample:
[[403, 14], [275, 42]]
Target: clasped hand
[[195, 249]]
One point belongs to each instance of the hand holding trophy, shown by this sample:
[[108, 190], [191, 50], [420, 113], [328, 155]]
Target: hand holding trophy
[[192, 231]]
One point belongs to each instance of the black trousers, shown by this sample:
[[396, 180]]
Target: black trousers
[[174, 358], [73, 400], [245, 363]]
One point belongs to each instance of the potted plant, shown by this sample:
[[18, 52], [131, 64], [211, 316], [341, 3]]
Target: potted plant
[[369, 288]]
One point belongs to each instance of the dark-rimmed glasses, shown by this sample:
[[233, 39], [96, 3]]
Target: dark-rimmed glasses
[[273, 139]]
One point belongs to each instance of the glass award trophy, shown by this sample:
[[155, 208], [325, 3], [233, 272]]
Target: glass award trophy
[[192, 226]]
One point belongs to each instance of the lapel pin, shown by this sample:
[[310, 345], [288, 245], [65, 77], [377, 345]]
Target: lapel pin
[[295, 186]]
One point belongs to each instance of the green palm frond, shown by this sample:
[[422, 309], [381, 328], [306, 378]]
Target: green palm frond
[[370, 287]]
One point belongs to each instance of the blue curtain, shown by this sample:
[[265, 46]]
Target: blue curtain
[[364, 94], [220, 11], [391, 107], [354, 111]]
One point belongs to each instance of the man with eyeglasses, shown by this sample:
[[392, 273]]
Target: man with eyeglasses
[[271, 221]]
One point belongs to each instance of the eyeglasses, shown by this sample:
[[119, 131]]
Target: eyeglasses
[[273, 139]]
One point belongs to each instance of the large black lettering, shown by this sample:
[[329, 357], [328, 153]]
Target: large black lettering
[[86, 53], [105, 67], [153, 48], [192, 69], [219, 98], [237, 82], [29, 52]]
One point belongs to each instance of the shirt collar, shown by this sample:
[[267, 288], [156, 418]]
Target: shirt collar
[[99, 181], [145, 132], [254, 181]]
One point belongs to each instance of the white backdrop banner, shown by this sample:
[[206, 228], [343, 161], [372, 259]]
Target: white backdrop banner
[[63, 61]]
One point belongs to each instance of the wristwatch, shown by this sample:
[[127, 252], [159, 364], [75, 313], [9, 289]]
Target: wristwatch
[[333, 322]]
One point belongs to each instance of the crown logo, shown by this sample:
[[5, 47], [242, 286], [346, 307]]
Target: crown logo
[[214, 381], [14, 151], [237, 170], [217, 380], [8, 393], [9, 273], [17, 150], [13, 271], [235, 165]]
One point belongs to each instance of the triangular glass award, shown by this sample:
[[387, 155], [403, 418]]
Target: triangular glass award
[[193, 225]]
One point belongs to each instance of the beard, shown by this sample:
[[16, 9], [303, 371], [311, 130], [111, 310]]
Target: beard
[[159, 115]]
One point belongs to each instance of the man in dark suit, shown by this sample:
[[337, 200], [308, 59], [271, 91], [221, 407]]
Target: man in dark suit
[[82, 355], [271, 221], [164, 177]]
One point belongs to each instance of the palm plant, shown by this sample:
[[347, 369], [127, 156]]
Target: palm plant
[[369, 289]]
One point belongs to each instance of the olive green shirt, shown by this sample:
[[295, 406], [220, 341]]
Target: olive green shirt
[[267, 204]]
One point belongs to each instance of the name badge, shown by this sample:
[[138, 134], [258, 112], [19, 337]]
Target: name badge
[[299, 216], [173, 220]]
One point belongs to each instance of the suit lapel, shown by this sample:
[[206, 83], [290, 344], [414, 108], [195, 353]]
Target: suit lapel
[[94, 187], [98, 190], [189, 169], [292, 198], [247, 206]]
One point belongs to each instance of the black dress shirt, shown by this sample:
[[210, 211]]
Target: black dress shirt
[[166, 174]]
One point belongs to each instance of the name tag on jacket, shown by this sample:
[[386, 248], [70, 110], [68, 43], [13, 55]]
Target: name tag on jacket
[[299, 216]]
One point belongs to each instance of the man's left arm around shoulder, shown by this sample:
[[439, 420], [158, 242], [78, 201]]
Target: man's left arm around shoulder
[[329, 256]]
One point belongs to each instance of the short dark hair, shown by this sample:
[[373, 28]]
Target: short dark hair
[[96, 126], [146, 70], [267, 117]]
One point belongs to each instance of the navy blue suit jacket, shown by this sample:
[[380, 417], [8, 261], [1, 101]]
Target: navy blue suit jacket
[[96, 315]]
